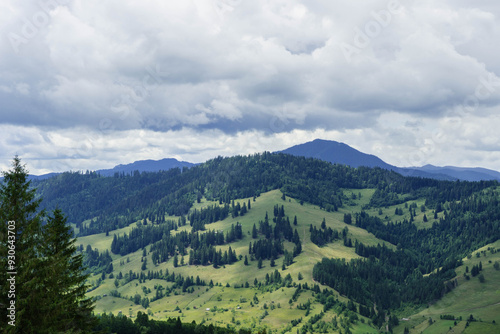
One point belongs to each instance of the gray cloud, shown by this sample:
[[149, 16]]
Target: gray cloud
[[234, 67]]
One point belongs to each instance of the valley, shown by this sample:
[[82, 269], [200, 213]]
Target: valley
[[284, 244], [228, 302], [224, 301]]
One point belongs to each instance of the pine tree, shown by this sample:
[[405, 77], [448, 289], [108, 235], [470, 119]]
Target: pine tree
[[67, 308], [176, 261], [50, 289], [18, 205]]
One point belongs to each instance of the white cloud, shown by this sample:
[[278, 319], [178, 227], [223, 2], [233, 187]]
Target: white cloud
[[234, 69]]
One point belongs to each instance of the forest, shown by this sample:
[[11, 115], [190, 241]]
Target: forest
[[167, 227]]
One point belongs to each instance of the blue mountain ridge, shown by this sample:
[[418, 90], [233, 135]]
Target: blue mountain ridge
[[141, 166], [327, 150], [146, 166], [340, 153]]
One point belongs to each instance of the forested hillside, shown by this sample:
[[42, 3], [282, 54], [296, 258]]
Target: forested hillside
[[363, 244], [116, 202]]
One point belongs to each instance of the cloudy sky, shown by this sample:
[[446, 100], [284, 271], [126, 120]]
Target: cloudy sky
[[88, 84]]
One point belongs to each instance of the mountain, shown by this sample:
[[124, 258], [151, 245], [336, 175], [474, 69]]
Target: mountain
[[42, 177], [461, 173], [140, 165], [270, 241], [146, 166], [336, 153], [340, 153], [326, 150]]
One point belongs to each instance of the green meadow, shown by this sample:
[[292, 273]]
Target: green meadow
[[229, 304]]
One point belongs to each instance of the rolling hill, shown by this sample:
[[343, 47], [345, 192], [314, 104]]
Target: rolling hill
[[257, 242]]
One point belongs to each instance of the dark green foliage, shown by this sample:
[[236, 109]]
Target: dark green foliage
[[481, 278], [235, 233], [119, 201], [141, 236], [321, 237], [142, 324], [435, 192], [211, 214], [271, 247], [254, 232], [447, 317], [96, 262], [164, 246], [471, 224], [391, 277], [267, 248], [50, 284], [66, 304], [476, 269]]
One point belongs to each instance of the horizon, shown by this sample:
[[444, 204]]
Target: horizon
[[279, 151]]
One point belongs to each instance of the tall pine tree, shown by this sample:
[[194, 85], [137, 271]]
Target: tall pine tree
[[50, 288], [68, 308], [18, 204]]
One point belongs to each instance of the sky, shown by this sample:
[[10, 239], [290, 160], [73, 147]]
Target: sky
[[88, 84]]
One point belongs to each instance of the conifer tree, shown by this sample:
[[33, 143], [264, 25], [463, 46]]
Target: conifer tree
[[67, 307], [18, 205], [50, 290]]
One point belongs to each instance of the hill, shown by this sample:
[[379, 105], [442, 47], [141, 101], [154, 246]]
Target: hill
[[274, 241], [340, 153], [145, 166]]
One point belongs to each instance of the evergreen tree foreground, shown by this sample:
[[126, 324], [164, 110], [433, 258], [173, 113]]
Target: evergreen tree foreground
[[49, 281]]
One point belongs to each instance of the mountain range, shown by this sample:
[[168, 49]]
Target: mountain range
[[340, 153], [146, 166], [326, 150], [287, 244]]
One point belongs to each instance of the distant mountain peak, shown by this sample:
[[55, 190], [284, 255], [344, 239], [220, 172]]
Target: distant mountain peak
[[341, 153], [146, 166], [337, 153]]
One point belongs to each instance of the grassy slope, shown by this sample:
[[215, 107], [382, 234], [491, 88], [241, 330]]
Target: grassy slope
[[192, 306], [204, 297], [482, 300]]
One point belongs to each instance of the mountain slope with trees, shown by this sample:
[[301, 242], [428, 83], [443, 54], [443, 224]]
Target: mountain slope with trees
[[173, 226]]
